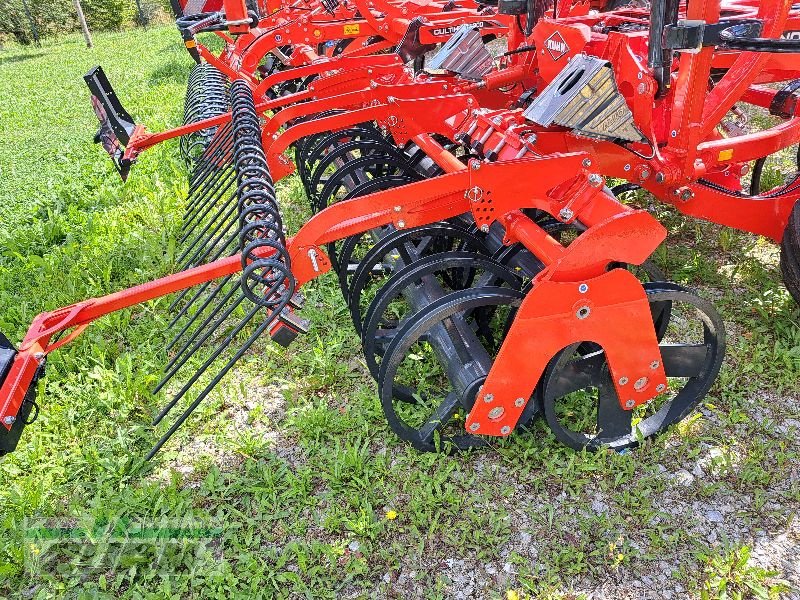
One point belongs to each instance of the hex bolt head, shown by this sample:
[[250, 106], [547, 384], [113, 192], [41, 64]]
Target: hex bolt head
[[401, 224], [673, 133], [488, 397], [9, 420], [566, 214], [627, 167], [398, 208], [641, 383], [583, 288], [583, 312], [587, 162], [630, 404], [596, 180], [476, 165], [660, 178], [519, 402], [475, 427], [655, 364], [623, 381], [485, 228], [496, 412], [644, 174], [660, 387], [505, 430]]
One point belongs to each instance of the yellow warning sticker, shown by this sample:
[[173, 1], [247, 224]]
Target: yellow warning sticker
[[353, 29], [726, 154], [190, 44]]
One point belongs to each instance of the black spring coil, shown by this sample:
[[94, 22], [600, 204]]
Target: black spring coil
[[206, 97], [266, 281]]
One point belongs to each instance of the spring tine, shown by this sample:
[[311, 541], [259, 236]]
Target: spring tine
[[219, 349], [198, 292], [186, 352], [206, 176], [196, 315], [207, 200], [217, 152], [217, 227], [203, 202], [182, 295], [223, 219], [202, 396]]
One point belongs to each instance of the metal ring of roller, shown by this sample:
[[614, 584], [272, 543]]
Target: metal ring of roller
[[567, 374], [397, 240], [413, 273]]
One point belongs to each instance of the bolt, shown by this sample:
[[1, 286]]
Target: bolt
[[655, 364], [278, 37], [595, 180], [660, 387], [623, 381], [373, 85], [9, 420], [639, 75], [485, 228], [644, 174], [505, 430], [476, 165], [583, 312], [641, 383], [583, 288], [519, 402], [630, 404], [587, 162], [401, 224], [398, 208], [627, 167], [39, 356], [488, 397], [660, 178], [475, 427], [687, 194], [566, 214], [673, 133], [496, 412], [497, 121], [312, 254]]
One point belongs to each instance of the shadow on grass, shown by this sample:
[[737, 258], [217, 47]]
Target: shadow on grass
[[20, 57]]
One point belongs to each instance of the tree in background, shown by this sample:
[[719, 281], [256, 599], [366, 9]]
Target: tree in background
[[52, 17]]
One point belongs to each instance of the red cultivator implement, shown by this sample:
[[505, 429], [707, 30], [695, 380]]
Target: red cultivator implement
[[460, 198]]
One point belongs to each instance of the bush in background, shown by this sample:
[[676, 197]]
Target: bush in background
[[53, 17]]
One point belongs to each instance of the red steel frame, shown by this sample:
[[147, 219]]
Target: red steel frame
[[620, 318]]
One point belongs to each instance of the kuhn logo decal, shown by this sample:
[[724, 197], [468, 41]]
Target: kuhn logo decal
[[791, 35], [556, 46]]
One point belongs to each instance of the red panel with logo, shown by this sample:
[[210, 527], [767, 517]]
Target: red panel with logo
[[556, 44]]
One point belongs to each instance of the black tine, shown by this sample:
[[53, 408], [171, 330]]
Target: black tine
[[203, 203], [186, 352], [219, 349], [198, 293], [223, 220], [202, 396]]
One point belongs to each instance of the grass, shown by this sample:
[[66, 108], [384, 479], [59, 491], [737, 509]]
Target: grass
[[288, 483]]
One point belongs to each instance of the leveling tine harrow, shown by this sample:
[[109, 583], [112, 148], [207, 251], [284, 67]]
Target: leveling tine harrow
[[490, 273]]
